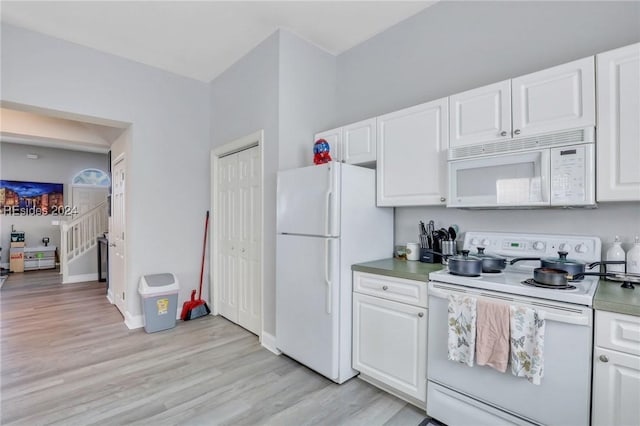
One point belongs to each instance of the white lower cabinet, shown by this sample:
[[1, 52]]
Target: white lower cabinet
[[616, 370], [390, 341]]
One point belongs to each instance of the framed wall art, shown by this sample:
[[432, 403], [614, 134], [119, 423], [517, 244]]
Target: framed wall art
[[31, 198]]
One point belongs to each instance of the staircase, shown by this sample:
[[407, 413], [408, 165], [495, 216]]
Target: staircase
[[77, 241]]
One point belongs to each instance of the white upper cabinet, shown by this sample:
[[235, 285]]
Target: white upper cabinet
[[359, 142], [558, 98], [334, 138], [480, 114], [354, 143], [412, 155], [618, 129]]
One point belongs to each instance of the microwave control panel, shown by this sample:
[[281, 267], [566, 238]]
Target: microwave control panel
[[573, 175]]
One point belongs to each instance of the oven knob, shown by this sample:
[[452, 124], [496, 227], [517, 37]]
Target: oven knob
[[564, 247], [474, 241], [581, 248], [538, 245]]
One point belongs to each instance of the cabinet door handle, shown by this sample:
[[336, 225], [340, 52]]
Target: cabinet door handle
[[385, 287], [420, 314], [503, 133], [604, 358], [442, 199], [516, 132]]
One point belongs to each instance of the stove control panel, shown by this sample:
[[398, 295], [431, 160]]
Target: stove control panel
[[507, 244]]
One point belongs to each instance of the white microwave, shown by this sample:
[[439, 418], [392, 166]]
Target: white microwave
[[559, 175]]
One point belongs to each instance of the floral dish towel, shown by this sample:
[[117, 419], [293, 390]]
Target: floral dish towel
[[462, 329], [527, 343]]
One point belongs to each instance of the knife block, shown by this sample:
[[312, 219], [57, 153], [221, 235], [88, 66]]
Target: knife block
[[429, 257]]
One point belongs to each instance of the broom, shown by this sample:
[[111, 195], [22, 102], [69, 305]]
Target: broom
[[196, 308]]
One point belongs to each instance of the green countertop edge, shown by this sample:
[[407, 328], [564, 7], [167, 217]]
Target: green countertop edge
[[613, 298], [609, 295], [397, 268]]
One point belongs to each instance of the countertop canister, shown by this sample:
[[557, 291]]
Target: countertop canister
[[413, 251]]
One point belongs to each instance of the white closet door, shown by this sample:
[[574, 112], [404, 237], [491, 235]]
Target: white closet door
[[239, 238], [249, 297], [228, 236]]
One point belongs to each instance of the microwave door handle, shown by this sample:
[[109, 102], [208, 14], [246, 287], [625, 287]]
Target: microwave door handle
[[545, 175]]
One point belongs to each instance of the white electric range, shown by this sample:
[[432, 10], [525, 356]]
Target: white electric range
[[480, 395]]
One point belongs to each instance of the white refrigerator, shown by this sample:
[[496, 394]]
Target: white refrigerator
[[327, 220]]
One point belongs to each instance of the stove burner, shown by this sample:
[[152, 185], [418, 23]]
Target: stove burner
[[531, 282], [473, 277]]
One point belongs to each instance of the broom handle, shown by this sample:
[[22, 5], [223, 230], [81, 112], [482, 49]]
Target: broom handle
[[204, 249]]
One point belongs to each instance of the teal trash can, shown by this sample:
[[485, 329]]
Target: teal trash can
[[159, 293]]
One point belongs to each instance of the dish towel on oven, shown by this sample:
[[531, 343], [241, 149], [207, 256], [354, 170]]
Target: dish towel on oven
[[462, 329], [527, 343], [492, 335]]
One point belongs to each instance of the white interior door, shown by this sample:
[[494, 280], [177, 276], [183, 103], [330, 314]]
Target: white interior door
[[238, 237], [249, 297], [227, 235], [116, 235], [85, 197]]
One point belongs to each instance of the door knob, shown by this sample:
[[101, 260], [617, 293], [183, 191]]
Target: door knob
[[112, 244], [604, 358]]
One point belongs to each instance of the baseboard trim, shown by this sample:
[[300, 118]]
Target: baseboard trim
[[71, 279], [110, 296], [269, 343], [133, 321]]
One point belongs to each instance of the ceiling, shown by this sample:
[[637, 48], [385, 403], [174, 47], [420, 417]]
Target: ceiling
[[200, 39]]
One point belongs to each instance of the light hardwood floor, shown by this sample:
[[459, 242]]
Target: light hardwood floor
[[67, 358]]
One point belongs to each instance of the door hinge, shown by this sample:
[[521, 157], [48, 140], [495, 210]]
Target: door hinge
[[123, 295]]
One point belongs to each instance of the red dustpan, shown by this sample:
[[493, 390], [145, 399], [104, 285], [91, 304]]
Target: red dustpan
[[196, 308]]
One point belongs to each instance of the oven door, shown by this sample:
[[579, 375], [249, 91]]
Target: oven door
[[458, 394], [505, 180]]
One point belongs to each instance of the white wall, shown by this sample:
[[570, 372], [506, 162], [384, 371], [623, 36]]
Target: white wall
[[244, 99], [307, 98], [454, 46], [54, 166], [285, 86], [168, 180]]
